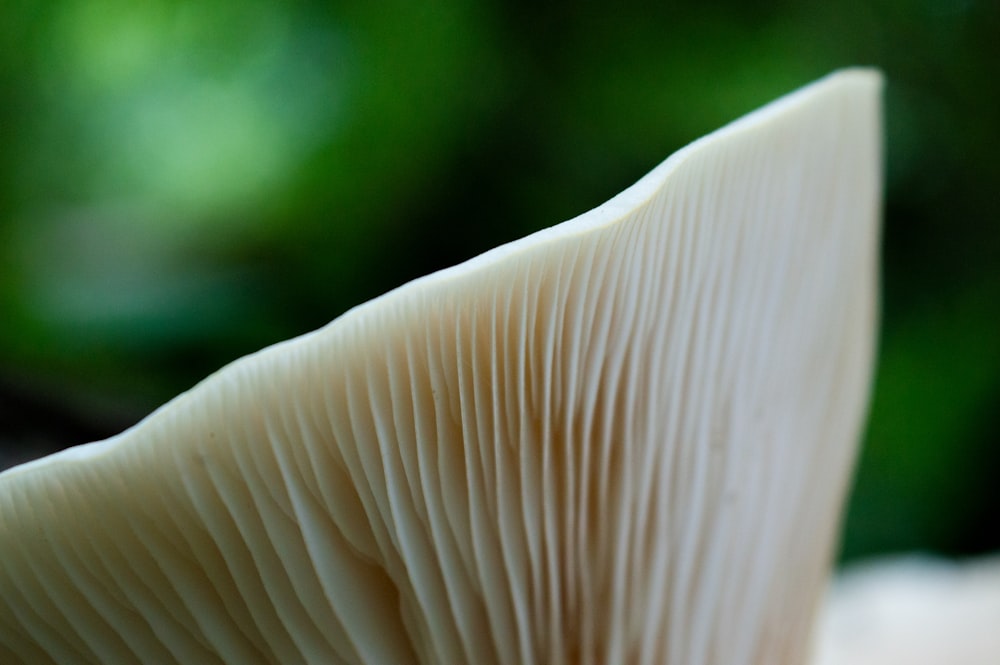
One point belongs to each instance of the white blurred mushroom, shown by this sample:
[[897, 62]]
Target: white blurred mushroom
[[912, 611], [624, 439]]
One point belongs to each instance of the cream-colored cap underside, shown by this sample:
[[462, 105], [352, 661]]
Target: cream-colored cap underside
[[622, 440]]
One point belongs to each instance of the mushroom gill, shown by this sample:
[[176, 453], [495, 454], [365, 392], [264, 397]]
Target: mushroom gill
[[623, 439]]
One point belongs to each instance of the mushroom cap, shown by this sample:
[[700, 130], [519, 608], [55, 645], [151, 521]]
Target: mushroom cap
[[913, 610], [623, 439]]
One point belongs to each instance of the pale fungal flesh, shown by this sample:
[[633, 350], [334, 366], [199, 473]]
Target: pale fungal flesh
[[915, 610], [624, 439]]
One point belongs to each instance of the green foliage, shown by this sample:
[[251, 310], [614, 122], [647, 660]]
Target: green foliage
[[184, 182]]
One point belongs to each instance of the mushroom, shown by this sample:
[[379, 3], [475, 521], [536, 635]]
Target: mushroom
[[912, 610], [623, 439]]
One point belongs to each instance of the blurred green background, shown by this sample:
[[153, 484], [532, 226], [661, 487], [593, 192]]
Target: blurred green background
[[182, 183]]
